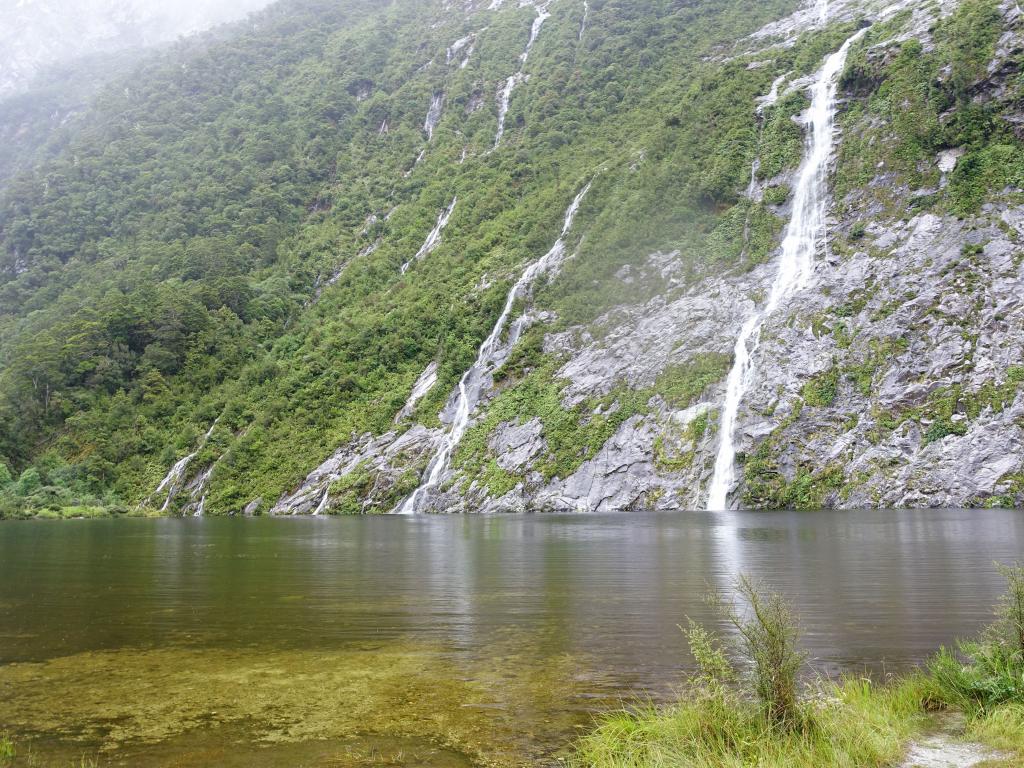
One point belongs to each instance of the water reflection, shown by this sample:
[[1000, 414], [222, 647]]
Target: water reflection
[[870, 586]]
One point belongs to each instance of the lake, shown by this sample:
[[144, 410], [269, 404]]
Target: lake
[[432, 640]]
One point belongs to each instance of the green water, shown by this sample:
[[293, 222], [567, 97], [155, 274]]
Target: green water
[[434, 641]]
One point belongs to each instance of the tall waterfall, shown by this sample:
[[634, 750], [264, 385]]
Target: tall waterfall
[[796, 263], [491, 354], [506, 91]]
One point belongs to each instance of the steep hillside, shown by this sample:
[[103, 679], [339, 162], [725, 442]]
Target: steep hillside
[[502, 255]]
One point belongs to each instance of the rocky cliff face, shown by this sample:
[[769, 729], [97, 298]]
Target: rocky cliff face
[[895, 378]]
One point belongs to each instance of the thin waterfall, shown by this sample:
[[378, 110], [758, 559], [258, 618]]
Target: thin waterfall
[[434, 237], [505, 94], [491, 354], [172, 480], [796, 262], [467, 43], [821, 6], [433, 116]]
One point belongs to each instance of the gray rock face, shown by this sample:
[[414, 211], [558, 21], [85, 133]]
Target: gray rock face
[[644, 340], [516, 446], [387, 458], [932, 324]]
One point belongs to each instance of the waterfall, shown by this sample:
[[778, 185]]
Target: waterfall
[[199, 489], [423, 385], [324, 500], [491, 354], [796, 262], [434, 238], [771, 98], [821, 6], [172, 480], [433, 116], [468, 43], [586, 14], [506, 91]]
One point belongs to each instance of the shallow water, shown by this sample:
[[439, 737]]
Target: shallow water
[[435, 641]]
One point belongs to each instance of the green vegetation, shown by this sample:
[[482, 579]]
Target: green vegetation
[[7, 750], [571, 435], [750, 711], [987, 672], [782, 142], [821, 391], [682, 384], [911, 107], [158, 261]]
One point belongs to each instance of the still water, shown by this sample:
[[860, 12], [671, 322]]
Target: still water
[[436, 641]]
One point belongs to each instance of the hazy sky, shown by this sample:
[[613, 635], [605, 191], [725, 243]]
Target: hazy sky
[[34, 33]]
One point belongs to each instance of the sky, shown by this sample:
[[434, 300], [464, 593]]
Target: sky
[[35, 33]]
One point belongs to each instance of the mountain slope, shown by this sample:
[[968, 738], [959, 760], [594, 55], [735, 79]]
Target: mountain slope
[[242, 265]]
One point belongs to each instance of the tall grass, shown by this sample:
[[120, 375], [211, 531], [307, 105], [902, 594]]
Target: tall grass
[[983, 674], [7, 750], [853, 723]]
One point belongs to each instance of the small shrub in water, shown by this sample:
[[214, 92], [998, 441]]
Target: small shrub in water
[[768, 636]]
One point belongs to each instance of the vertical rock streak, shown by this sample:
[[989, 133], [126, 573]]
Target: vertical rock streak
[[796, 262], [492, 352]]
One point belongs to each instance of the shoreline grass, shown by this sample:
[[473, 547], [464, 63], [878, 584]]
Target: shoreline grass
[[729, 717]]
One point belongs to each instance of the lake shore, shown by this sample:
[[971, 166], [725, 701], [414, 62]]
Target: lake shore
[[852, 723]]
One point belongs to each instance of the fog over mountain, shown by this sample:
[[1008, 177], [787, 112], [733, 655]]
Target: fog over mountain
[[37, 33]]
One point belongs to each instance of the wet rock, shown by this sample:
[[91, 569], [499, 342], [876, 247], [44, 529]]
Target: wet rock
[[517, 445]]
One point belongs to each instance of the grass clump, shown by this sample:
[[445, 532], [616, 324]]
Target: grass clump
[[752, 712], [981, 675], [7, 750], [744, 705]]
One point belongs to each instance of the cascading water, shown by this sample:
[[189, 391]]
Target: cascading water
[[433, 115], [586, 15], [434, 238], [795, 264], [467, 43], [491, 354], [172, 480], [821, 6], [505, 94], [423, 385]]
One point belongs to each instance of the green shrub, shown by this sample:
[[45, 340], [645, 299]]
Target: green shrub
[[768, 636], [821, 391], [777, 194]]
